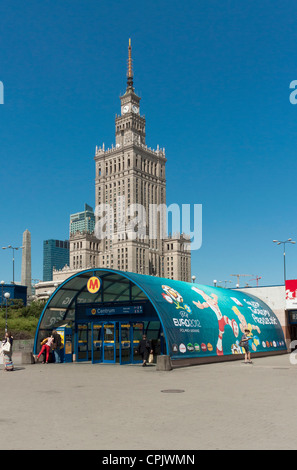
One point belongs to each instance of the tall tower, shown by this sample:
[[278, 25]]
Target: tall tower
[[130, 126], [136, 173], [26, 262], [127, 174]]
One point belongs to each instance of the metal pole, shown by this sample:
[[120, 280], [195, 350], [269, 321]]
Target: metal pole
[[7, 296], [6, 318], [13, 265], [284, 243], [12, 248], [285, 263]]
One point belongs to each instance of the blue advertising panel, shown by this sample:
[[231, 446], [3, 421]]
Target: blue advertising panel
[[197, 321], [202, 321]]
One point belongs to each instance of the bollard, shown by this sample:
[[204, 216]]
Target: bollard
[[164, 363]]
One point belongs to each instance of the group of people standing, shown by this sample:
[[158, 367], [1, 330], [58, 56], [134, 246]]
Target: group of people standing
[[51, 343]]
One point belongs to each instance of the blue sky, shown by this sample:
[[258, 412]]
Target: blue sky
[[214, 79]]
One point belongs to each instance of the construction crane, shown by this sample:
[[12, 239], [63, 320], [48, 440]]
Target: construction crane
[[240, 275], [257, 279]]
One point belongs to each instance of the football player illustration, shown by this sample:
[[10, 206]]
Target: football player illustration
[[242, 322], [174, 297], [243, 325], [211, 301]]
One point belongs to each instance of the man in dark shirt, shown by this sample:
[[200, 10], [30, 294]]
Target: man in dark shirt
[[56, 346], [144, 349]]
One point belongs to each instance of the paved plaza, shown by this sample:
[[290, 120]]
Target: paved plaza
[[108, 407]]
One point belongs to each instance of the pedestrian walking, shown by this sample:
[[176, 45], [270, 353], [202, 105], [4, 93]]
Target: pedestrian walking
[[144, 349], [46, 347], [6, 351], [56, 346], [245, 344]]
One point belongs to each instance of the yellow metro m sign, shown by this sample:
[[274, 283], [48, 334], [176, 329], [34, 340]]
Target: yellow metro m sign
[[93, 285]]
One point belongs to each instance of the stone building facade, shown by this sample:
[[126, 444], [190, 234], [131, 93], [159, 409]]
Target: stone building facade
[[130, 183]]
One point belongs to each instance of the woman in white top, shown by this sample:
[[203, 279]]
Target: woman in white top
[[46, 347]]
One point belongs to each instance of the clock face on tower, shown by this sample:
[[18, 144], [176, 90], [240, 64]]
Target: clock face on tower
[[125, 109], [135, 109]]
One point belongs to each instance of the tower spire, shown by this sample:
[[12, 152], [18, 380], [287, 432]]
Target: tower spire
[[130, 69]]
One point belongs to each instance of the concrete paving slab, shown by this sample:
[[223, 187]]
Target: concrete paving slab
[[113, 407]]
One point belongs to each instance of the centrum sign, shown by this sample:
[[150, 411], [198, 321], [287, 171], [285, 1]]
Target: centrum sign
[[93, 285], [121, 310]]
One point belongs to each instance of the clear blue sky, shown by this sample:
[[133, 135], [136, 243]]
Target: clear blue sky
[[214, 79]]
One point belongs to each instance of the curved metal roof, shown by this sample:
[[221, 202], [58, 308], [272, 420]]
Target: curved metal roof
[[197, 320]]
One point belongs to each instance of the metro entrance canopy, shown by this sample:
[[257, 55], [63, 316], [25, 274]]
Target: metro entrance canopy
[[184, 320]]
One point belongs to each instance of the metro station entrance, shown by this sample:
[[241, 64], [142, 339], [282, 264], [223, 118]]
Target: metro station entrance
[[103, 313], [115, 342]]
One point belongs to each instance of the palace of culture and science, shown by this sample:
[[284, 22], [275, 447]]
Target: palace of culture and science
[[130, 173]]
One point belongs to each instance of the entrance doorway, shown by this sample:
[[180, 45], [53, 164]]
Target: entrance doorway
[[293, 337], [125, 343], [82, 342], [115, 342]]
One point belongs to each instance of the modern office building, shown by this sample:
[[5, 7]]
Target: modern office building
[[16, 292], [55, 255], [129, 174], [83, 221]]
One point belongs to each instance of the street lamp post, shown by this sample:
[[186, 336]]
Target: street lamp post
[[284, 243], [193, 278], [12, 248], [6, 295]]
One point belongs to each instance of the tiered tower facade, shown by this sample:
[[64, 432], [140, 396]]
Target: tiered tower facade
[[128, 174]]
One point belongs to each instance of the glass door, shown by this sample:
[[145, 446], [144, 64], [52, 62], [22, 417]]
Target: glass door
[[97, 351], [137, 332], [163, 343], [82, 337], [125, 343], [109, 342]]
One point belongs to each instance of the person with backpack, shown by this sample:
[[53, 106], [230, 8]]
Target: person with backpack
[[56, 346], [144, 349], [245, 344]]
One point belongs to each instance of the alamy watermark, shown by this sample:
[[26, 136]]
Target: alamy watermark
[[1, 93], [293, 94], [153, 222]]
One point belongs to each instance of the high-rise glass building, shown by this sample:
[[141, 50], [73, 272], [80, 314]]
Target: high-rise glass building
[[55, 255], [83, 221]]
